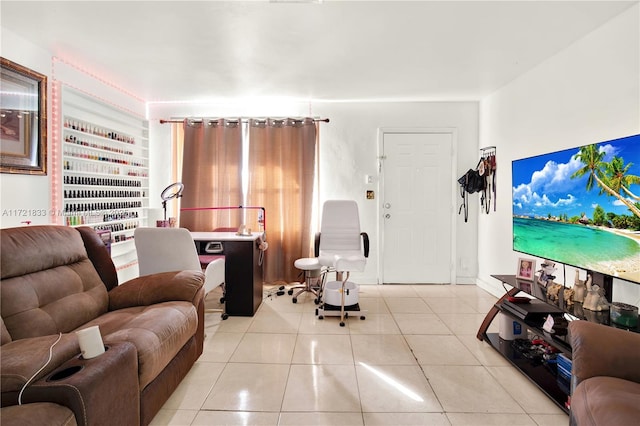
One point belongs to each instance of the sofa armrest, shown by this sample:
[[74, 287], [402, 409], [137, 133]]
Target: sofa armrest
[[84, 388], [100, 391], [156, 288], [599, 350], [22, 358]]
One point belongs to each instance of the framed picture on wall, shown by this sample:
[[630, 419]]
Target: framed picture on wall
[[23, 120], [526, 269]]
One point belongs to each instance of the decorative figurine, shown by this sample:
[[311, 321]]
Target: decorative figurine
[[579, 288], [594, 300], [569, 296], [553, 291]]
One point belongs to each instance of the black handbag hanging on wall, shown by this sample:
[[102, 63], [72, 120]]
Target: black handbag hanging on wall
[[477, 180], [471, 182]]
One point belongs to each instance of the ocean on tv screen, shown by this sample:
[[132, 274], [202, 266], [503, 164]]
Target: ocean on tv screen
[[581, 207]]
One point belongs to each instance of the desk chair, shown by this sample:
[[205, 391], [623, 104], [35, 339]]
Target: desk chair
[[341, 247], [173, 249]]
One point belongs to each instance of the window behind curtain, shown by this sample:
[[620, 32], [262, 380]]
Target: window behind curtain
[[281, 167], [211, 173], [281, 178]]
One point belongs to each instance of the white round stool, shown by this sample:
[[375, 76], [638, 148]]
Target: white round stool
[[312, 278]]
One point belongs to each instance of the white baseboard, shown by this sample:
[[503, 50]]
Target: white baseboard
[[466, 280], [492, 287]]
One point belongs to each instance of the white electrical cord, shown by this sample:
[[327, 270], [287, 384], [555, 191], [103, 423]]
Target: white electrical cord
[[38, 372]]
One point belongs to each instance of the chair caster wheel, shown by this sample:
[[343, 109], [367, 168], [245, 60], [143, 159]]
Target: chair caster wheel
[[316, 301], [290, 292], [294, 300], [222, 300], [342, 324], [346, 314], [224, 316], [316, 312], [362, 317], [321, 317]]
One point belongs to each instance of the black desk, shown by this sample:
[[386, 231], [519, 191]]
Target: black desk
[[243, 271]]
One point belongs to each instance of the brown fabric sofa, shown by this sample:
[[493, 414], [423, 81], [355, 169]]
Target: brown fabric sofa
[[37, 414], [57, 279], [605, 375]]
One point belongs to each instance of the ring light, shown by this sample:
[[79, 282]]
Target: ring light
[[169, 193]]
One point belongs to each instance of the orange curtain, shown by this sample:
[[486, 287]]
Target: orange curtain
[[211, 173], [281, 168], [177, 150]]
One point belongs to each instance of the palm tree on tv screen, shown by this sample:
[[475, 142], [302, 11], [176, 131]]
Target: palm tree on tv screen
[[618, 178], [592, 157]]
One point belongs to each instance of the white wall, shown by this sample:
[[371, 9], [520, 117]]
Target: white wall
[[21, 193], [588, 93], [24, 193], [348, 152], [348, 146]]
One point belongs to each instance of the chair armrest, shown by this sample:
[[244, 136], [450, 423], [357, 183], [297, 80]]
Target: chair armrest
[[365, 243], [157, 288], [316, 245], [598, 350]]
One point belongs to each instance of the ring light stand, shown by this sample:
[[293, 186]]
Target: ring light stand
[[169, 193]]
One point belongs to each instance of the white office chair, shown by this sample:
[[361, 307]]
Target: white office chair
[[173, 249], [341, 247]]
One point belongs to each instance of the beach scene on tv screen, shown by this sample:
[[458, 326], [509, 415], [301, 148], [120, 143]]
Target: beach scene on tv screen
[[581, 207]]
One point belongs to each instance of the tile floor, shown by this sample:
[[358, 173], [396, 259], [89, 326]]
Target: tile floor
[[414, 360]]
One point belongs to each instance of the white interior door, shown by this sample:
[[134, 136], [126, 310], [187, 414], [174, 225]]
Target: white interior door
[[416, 207]]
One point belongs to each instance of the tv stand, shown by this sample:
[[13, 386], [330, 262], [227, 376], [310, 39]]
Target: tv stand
[[542, 374]]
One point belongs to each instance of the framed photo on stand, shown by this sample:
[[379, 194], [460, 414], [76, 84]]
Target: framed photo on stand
[[546, 273], [23, 120], [526, 269]]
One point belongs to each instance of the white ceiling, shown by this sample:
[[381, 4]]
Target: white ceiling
[[331, 50]]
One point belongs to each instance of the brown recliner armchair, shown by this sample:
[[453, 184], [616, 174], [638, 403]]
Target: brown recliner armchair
[[605, 375], [56, 280]]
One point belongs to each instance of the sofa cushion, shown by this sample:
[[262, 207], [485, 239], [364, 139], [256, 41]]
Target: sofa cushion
[[37, 414], [158, 332], [604, 400], [48, 283]]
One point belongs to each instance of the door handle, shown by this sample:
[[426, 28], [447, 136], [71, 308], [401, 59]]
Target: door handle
[[387, 216]]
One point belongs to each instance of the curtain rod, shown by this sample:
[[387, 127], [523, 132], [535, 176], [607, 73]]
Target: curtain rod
[[199, 120]]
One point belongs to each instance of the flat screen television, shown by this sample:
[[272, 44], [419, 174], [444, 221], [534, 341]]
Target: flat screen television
[[581, 207]]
